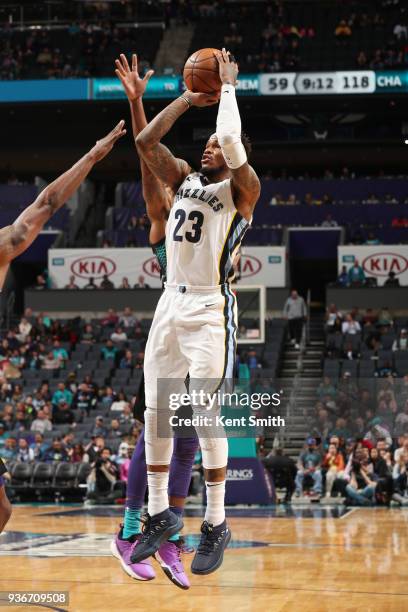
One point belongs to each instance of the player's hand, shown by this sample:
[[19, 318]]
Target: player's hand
[[202, 99], [228, 67], [105, 145], [133, 84]]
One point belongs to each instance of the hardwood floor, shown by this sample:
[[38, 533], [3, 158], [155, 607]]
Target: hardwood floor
[[309, 562]]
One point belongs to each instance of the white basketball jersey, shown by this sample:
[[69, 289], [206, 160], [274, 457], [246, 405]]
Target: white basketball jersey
[[203, 233]]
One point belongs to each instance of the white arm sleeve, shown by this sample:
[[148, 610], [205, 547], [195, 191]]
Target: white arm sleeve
[[229, 128]]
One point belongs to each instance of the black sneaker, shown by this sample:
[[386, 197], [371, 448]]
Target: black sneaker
[[157, 529], [210, 551]]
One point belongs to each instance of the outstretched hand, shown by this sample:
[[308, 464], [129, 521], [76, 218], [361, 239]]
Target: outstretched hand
[[228, 67], [105, 145], [133, 84]]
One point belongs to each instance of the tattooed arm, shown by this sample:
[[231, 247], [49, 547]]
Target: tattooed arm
[[159, 159], [16, 238]]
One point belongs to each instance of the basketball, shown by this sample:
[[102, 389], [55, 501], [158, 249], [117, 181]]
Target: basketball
[[201, 71]]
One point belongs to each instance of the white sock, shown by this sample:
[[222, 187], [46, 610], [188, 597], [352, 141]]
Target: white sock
[[215, 511], [158, 483]]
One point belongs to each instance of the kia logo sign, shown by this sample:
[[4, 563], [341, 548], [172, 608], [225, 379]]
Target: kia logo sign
[[249, 265], [381, 264], [151, 267], [93, 266]]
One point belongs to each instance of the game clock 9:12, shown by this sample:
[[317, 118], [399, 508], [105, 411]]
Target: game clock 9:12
[[350, 82]]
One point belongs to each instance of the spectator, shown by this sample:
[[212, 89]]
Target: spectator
[[126, 361], [400, 31], [125, 283], [24, 329], [333, 463], [51, 362], [356, 274], [120, 403], [401, 421], [71, 284], [111, 319], [119, 336], [295, 312], [99, 429], [342, 31], [343, 278], [333, 319], [62, 414], [350, 326], [384, 317], [329, 222], [372, 240], [109, 351], [126, 419], [361, 488], [326, 391], [115, 429], [103, 476], [62, 394], [8, 451], [401, 343], [24, 454], [60, 352], [88, 335], [38, 446], [309, 465], [108, 397], [90, 284], [106, 283], [77, 454], [141, 283], [40, 283], [56, 452], [41, 423], [127, 319], [391, 280], [377, 431], [85, 398], [399, 475], [93, 449]]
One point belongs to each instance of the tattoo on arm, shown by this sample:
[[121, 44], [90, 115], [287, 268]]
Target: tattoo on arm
[[159, 159]]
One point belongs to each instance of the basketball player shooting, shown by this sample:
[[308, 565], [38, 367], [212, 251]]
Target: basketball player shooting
[[158, 200], [194, 326], [16, 238]]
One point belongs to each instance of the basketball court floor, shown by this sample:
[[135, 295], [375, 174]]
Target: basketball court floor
[[304, 559]]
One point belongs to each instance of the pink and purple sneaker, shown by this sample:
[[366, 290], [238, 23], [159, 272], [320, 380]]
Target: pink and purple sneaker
[[169, 557], [122, 548]]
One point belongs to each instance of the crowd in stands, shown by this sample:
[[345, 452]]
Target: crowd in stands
[[69, 388], [66, 393], [106, 284], [269, 36]]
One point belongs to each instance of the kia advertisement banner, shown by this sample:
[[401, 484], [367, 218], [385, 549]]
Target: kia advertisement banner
[[116, 264], [257, 266], [262, 266], [377, 261]]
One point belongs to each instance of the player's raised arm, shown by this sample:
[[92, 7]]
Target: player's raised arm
[[154, 193], [160, 160], [17, 237], [245, 183]]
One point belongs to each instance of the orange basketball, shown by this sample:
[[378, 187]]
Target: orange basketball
[[201, 72]]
